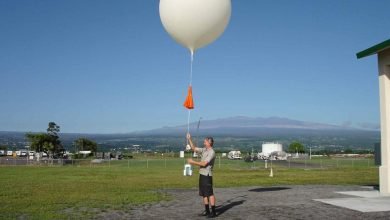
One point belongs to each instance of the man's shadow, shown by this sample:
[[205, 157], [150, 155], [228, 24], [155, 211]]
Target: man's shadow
[[228, 205]]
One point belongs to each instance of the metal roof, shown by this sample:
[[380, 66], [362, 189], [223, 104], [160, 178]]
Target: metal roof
[[374, 49]]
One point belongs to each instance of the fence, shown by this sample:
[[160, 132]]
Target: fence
[[220, 163]]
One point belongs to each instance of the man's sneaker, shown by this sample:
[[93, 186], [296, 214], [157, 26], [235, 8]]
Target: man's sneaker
[[212, 215], [204, 213]]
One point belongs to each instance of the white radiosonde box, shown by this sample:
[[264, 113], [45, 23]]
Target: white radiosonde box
[[187, 170]]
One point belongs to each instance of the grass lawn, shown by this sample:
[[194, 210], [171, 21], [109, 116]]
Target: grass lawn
[[62, 192]]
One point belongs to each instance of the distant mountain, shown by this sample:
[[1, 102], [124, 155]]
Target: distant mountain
[[234, 132], [241, 125]]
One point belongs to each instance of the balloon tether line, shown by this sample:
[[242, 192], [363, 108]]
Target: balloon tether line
[[192, 61], [189, 110]]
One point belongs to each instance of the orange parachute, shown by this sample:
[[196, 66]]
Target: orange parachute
[[189, 102]]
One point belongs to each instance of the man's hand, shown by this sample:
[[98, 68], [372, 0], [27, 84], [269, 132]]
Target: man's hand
[[189, 142]]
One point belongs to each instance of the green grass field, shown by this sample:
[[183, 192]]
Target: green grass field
[[62, 192]]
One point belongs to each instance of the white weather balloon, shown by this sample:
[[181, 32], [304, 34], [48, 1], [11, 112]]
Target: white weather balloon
[[195, 23]]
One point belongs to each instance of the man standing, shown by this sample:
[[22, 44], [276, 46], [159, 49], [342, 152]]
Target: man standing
[[205, 173]]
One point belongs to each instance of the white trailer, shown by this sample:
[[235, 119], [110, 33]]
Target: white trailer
[[235, 155]]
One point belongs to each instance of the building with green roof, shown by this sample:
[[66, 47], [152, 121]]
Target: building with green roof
[[383, 52]]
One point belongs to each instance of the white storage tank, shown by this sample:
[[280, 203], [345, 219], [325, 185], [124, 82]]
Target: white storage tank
[[268, 148]]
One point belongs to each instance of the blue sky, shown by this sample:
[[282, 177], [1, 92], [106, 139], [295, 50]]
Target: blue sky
[[109, 66]]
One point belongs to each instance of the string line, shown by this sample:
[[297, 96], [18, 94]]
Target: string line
[[189, 110]]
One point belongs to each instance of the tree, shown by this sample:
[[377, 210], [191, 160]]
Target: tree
[[348, 151], [53, 129], [39, 142], [54, 143], [85, 144], [296, 146], [46, 142]]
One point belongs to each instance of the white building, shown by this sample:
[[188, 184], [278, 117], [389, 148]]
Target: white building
[[383, 55]]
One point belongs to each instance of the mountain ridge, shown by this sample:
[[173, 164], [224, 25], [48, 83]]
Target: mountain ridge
[[234, 124], [240, 124]]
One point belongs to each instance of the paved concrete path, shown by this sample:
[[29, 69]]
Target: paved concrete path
[[362, 201], [278, 202]]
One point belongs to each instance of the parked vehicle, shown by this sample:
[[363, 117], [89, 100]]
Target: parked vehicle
[[31, 155], [23, 153]]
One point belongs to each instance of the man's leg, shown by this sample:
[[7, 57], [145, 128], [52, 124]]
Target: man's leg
[[212, 203], [212, 200], [206, 205], [206, 200]]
